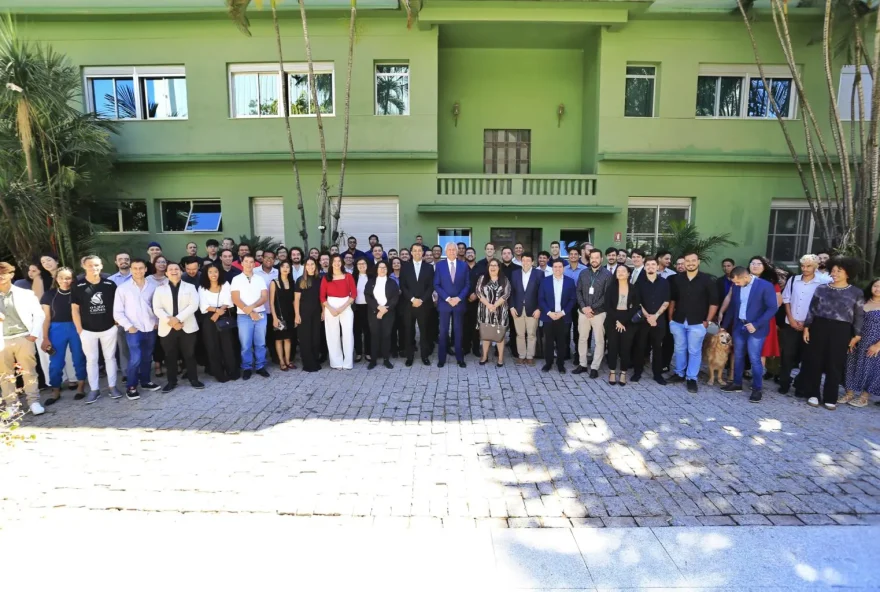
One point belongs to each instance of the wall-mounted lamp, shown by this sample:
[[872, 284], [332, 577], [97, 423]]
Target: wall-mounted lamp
[[560, 111], [456, 111]]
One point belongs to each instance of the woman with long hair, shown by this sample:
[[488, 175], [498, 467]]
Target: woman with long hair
[[863, 364], [493, 292], [314, 254], [60, 335], [621, 304], [281, 299], [362, 342], [215, 304], [338, 292], [382, 294], [308, 316], [158, 267], [833, 326]]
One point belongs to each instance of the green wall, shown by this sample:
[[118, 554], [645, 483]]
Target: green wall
[[511, 89]]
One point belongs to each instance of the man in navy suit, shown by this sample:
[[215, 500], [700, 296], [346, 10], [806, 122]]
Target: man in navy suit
[[556, 300], [524, 285], [752, 305], [451, 285]]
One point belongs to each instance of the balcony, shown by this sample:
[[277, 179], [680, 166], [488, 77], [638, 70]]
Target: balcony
[[516, 185]]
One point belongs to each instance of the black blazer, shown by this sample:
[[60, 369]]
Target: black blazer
[[392, 295], [633, 305], [423, 288]]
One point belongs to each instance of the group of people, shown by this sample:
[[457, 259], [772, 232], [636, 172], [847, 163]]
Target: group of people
[[231, 310]]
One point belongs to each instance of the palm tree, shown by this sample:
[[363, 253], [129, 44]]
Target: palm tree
[[683, 237], [237, 10], [337, 211], [390, 94], [19, 83]]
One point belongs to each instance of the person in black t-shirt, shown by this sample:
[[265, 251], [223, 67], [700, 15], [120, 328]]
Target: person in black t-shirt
[[61, 334], [92, 310]]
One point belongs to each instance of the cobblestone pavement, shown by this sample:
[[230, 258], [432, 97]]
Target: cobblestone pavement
[[485, 446]]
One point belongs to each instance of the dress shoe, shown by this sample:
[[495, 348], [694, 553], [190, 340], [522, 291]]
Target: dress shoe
[[426, 361], [692, 386], [660, 380], [636, 377], [461, 364], [594, 373], [263, 372], [409, 362], [756, 397], [546, 367], [389, 365], [441, 364], [561, 369], [371, 365], [675, 379], [579, 370]]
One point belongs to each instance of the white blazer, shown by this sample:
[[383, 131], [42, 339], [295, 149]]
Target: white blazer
[[187, 305], [27, 305]]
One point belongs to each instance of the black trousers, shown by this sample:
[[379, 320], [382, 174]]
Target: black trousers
[[793, 347], [556, 334], [574, 327], [470, 341], [178, 343], [270, 339], [647, 335], [310, 334], [398, 332], [826, 353], [219, 350], [619, 346], [668, 348], [380, 335], [362, 344], [423, 315]]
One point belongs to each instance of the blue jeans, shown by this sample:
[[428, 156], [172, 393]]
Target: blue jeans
[[252, 335], [62, 336], [140, 356], [688, 348], [743, 342]]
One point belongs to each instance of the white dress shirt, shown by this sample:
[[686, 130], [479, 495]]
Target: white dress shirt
[[666, 273], [267, 276], [296, 272], [417, 265], [557, 293], [379, 291], [133, 306], [361, 284], [525, 278], [210, 299], [798, 294]]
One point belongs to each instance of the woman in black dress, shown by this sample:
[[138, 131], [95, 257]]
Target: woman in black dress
[[309, 316], [621, 304], [281, 299], [382, 295], [215, 303]]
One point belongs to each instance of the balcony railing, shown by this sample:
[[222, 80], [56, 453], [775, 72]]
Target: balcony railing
[[517, 185]]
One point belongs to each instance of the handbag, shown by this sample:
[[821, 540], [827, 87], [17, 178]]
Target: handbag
[[282, 325], [493, 333], [228, 321]]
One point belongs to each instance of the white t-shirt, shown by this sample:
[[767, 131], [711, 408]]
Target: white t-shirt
[[249, 289]]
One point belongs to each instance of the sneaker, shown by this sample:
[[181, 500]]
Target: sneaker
[[675, 379], [246, 375], [169, 387], [37, 409], [756, 397], [660, 380], [813, 401], [732, 388], [263, 372], [692, 386], [198, 385], [115, 394], [579, 370], [132, 393], [830, 406], [150, 386], [92, 397]]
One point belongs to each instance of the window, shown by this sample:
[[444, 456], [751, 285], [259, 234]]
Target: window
[[122, 216], [573, 238], [255, 90], [454, 235], [847, 99], [141, 92], [268, 217], [506, 151], [191, 216], [793, 232], [392, 89], [639, 100], [739, 92], [648, 220]]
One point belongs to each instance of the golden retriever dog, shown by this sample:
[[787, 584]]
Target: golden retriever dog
[[716, 352]]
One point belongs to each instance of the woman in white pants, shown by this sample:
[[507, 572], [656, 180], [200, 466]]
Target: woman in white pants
[[338, 292]]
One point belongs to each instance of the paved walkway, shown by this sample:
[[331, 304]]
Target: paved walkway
[[168, 551], [509, 447]]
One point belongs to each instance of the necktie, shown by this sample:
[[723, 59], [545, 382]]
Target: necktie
[[452, 270]]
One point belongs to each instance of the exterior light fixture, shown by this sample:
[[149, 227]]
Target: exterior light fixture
[[560, 111], [456, 111]]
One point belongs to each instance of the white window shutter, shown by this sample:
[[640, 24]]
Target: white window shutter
[[363, 216], [844, 93], [268, 217]]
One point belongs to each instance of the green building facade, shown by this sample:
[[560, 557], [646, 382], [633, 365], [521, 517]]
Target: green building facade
[[508, 121]]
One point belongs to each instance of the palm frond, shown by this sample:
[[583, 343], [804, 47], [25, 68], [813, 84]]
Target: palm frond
[[237, 10], [684, 237]]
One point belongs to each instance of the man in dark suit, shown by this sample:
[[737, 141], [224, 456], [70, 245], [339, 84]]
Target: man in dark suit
[[524, 285], [556, 300], [417, 287], [451, 285]]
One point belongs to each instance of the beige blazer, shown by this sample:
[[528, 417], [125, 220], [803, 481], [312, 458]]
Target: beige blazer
[[187, 305]]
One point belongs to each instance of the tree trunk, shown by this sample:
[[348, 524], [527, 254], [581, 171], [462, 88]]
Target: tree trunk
[[285, 96], [334, 234], [313, 88], [25, 134]]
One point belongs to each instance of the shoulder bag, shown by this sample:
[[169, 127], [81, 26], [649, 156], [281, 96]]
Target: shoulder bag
[[228, 321], [282, 325]]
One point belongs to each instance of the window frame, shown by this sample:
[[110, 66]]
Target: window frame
[[516, 144], [119, 218], [377, 75], [653, 91], [189, 216], [289, 68], [470, 235], [137, 74], [746, 74], [798, 205], [843, 103], [656, 204]]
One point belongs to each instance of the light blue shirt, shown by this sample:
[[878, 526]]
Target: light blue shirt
[[744, 293], [574, 274], [133, 306], [557, 293], [119, 279], [295, 273]]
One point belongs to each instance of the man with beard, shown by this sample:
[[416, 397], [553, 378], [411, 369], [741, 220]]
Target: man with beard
[[226, 264], [296, 263], [591, 287], [507, 268], [518, 251], [471, 338], [353, 250], [122, 276]]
